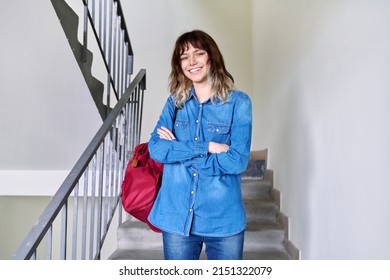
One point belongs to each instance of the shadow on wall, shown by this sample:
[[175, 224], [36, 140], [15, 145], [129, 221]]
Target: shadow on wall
[[295, 164]]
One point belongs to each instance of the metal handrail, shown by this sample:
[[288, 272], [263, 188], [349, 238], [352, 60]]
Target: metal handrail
[[101, 168]]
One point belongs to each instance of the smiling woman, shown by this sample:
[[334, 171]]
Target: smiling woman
[[195, 65], [204, 149], [195, 51]]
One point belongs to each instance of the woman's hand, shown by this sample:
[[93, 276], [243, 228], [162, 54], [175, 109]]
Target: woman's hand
[[165, 133], [216, 148]]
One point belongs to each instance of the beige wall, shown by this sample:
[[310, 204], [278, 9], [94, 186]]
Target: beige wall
[[321, 88], [19, 213]]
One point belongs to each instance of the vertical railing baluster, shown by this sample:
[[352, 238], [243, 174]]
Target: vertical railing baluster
[[85, 214], [122, 87], [100, 197], [118, 165], [117, 162], [125, 138], [75, 221], [85, 32], [93, 199], [114, 189], [112, 160], [107, 181], [118, 59], [109, 49], [118, 56], [138, 114], [135, 115], [131, 131], [93, 12], [131, 117], [100, 23], [105, 26], [129, 65], [113, 28], [124, 55], [49, 243], [64, 231]]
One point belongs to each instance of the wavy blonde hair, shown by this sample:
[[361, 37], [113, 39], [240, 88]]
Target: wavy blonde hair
[[221, 80]]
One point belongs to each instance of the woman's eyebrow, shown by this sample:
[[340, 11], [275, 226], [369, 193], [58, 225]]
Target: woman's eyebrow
[[195, 50]]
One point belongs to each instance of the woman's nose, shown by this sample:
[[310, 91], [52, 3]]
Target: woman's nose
[[192, 60]]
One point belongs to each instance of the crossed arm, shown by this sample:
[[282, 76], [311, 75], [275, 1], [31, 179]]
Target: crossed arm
[[213, 148]]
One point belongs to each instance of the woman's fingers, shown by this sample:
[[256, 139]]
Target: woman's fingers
[[165, 133]]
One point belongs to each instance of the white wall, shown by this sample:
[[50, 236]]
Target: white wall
[[47, 115], [321, 83], [46, 111]]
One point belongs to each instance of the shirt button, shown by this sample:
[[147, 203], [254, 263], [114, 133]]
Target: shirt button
[[194, 174], [217, 130], [196, 139], [192, 192], [197, 121], [190, 209]]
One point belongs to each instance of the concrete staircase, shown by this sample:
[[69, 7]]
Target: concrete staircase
[[266, 236]]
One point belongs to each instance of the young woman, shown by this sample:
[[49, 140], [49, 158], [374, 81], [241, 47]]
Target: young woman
[[203, 137]]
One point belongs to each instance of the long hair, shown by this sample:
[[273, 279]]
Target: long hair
[[220, 79]]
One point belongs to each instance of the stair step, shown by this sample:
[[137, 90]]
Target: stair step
[[255, 169], [266, 255], [256, 188], [264, 236], [159, 255], [136, 235], [258, 210], [146, 254]]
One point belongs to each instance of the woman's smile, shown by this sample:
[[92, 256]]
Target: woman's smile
[[195, 64]]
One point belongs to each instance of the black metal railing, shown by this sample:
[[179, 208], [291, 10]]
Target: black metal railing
[[90, 194], [110, 31]]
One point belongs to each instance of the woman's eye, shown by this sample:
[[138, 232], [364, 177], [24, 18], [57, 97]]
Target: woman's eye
[[200, 54], [184, 57]]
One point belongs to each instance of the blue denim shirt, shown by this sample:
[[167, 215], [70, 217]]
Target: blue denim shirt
[[201, 192]]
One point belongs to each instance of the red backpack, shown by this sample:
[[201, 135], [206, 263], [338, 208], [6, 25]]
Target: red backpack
[[141, 184]]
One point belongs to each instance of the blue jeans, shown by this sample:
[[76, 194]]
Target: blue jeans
[[180, 247]]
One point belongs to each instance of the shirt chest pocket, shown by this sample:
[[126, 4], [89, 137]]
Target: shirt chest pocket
[[219, 133], [181, 130]]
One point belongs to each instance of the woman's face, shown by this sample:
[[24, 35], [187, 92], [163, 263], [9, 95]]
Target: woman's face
[[195, 64]]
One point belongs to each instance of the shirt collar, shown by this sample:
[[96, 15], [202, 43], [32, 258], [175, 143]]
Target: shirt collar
[[216, 102]]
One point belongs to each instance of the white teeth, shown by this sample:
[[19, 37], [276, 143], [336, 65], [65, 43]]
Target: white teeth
[[194, 70]]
